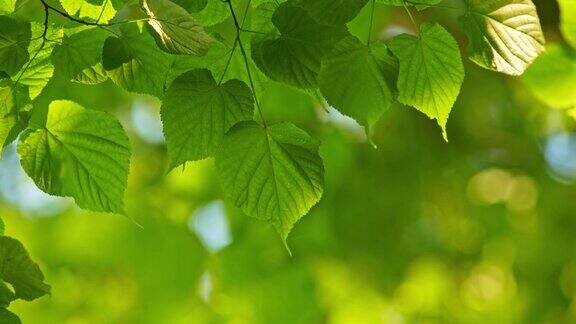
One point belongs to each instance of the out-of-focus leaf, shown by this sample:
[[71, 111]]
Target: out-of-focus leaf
[[552, 77], [568, 20], [7, 317], [7, 6]]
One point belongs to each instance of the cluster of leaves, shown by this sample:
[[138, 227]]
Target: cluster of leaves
[[208, 61]]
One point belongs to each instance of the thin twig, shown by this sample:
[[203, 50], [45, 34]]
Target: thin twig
[[245, 56], [371, 22]]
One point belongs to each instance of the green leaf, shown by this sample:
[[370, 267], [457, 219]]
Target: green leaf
[[568, 20], [333, 12], [79, 56], [192, 5], [80, 153], [6, 295], [20, 271], [135, 63], [552, 77], [431, 71], [7, 317], [7, 6], [294, 56], [215, 12], [13, 101], [352, 79], [197, 112], [39, 69], [102, 12], [174, 30], [14, 41], [7, 120], [504, 35], [274, 173]]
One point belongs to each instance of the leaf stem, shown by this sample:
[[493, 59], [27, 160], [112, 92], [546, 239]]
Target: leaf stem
[[245, 57], [411, 18], [228, 61], [371, 23]]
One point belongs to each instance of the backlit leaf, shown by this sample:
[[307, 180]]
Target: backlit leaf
[[174, 30], [431, 71], [504, 35], [79, 153]]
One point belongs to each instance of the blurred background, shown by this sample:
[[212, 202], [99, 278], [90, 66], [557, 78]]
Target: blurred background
[[478, 230]]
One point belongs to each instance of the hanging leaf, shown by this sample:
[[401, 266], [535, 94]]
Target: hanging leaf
[[353, 79], [135, 63], [272, 173], [294, 56], [504, 35], [174, 30], [197, 112], [431, 71], [79, 153]]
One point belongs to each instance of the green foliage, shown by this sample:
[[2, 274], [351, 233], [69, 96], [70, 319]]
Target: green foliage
[[210, 61], [431, 71], [186, 44], [78, 153]]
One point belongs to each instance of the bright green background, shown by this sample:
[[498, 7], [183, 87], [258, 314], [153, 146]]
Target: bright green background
[[477, 230]]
